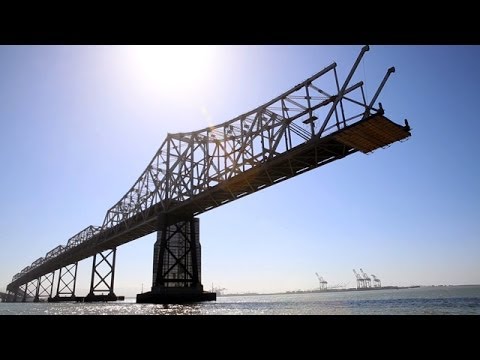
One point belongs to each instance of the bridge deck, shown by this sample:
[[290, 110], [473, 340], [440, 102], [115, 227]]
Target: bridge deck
[[365, 135]]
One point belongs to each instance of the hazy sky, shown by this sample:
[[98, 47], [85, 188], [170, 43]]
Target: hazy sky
[[78, 125]]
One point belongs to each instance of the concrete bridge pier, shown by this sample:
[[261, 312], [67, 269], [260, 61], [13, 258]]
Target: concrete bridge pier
[[176, 263]]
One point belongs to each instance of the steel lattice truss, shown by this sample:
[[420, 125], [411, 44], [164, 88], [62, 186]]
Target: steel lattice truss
[[103, 272], [45, 286], [188, 164], [67, 280], [308, 126], [30, 291], [19, 293], [83, 235]]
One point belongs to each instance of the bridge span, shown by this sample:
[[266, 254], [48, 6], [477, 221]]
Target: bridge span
[[314, 123]]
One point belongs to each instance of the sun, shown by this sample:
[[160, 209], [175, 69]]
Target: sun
[[172, 67]]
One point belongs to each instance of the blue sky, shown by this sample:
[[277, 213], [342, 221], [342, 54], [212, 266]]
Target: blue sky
[[78, 124]]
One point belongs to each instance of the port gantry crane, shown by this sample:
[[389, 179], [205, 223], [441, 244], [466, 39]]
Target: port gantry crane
[[360, 280], [376, 281], [322, 281], [366, 279]]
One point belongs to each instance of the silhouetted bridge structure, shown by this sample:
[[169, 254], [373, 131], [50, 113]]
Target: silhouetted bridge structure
[[314, 123], [3, 297]]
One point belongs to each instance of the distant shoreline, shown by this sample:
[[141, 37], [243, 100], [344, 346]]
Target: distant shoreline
[[340, 290]]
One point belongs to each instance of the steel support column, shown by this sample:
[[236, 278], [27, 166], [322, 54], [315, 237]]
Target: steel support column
[[45, 287], [67, 279], [18, 293], [30, 291], [103, 275]]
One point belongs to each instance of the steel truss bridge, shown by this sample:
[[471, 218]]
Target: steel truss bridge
[[314, 123]]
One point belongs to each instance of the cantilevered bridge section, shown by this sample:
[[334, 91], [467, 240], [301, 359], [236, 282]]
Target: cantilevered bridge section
[[316, 122]]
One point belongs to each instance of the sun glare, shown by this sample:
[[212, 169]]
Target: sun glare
[[172, 66]]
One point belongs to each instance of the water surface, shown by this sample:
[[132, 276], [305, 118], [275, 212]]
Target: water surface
[[443, 300]]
